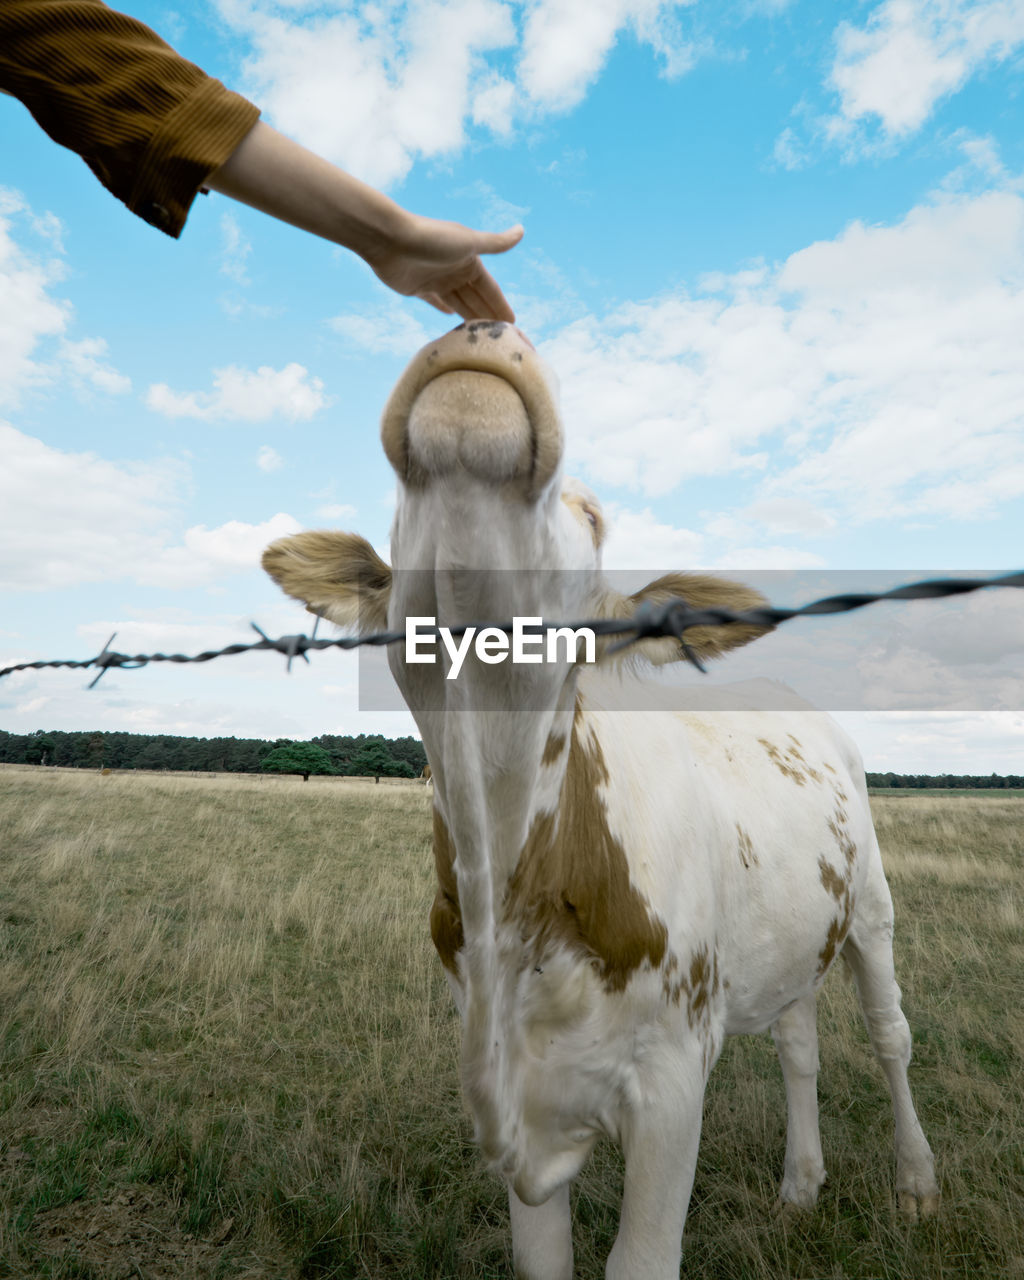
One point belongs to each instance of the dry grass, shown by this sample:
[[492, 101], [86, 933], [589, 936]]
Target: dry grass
[[229, 1051]]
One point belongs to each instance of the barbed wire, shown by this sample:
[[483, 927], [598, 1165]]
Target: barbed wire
[[671, 618]]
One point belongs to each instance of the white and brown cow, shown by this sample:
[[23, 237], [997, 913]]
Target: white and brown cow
[[620, 885]]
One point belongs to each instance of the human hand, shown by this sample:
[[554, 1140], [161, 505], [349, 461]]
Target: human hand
[[440, 263], [416, 256]]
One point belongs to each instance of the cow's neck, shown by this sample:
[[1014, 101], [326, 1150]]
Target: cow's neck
[[487, 729], [490, 731], [496, 738]]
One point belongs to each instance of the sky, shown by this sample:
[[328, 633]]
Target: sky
[[774, 253]]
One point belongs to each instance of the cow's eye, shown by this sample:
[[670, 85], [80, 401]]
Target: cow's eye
[[591, 516]]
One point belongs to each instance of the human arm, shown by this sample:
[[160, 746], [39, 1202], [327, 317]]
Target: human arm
[[155, 129], [150, 124], [433, 260]]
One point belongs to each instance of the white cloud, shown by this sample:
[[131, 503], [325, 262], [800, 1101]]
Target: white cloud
[[386, 330], [372, 90], [153, 635], [880, 371], [789, 152], [269, 459], [791, 515], [912, 53], [67, 518], [337, 511], [495, 105], [638, 540], [377, 87], [496, 211], [766, 557], [245, 395], [566, 43], [939, 741], [236, 250], [677, 387], [28, 313], [35, 348], [206, 555], [85, 366], [73, 518]]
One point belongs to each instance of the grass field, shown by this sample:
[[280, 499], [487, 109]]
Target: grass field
[[228, 1051]]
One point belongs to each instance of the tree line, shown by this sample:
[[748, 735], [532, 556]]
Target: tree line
[[925, 781], [364, 755]]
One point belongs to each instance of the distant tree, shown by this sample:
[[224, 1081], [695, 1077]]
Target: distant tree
[[373, 759], [40, 749], [297, 757], [411, 751]]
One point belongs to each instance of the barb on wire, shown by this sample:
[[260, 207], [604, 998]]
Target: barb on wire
[[650, 621]]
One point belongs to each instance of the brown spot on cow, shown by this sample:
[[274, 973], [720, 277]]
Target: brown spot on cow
[[702, 987], [790, 762], [553, 748], [445, 915], [700, 984], [746, 847], [837, 824], [572, 885], [836, 936], [835, 883], [839, 885]]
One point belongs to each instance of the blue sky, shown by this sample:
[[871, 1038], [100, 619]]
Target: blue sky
[[774, 252]]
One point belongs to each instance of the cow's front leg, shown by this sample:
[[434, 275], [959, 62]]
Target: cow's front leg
[[660, 1137], [542, 1237]]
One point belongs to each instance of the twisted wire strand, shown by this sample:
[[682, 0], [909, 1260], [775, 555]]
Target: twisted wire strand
[[671, 618]]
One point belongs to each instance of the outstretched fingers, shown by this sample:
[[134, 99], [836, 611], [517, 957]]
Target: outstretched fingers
[[481, 299]]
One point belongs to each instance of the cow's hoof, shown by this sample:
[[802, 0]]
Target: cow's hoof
[[799, 1190], [919, 1206]]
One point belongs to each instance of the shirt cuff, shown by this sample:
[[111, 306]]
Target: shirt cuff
[[196, 138]]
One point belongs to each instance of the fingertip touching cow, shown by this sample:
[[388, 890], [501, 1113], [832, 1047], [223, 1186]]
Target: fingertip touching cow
[[620, 885]]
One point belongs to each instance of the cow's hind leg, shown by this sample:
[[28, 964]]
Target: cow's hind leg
[[795, 1034], [542, 1237], [868, 952]]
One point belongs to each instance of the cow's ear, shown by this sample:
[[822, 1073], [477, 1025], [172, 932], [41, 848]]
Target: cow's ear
[[701, 591], [336, 575]]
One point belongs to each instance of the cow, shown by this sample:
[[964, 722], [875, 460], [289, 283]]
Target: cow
[[620, 885]]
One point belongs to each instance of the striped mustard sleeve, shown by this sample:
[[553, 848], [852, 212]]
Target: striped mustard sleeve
[[151, 125]]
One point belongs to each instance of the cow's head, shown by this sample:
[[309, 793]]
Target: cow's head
[[473, 433]]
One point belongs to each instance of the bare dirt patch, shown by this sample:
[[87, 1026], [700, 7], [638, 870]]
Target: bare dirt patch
[[134, 1234]]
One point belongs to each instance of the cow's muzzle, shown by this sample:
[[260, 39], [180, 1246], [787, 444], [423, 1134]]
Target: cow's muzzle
[[477, 401]]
